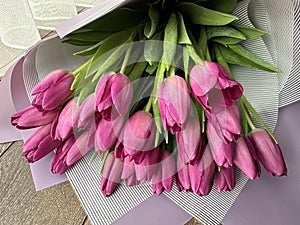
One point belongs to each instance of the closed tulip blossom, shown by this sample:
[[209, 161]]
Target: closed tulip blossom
[[197, 178], [137, 137], [113, 95], [222, 152], [30, 117], [209, 76], [62, 126], [189, 139], [268, 152], [245, 158], [128, 172], [163, 175], [79, 149], [53, 90], [225, 179], [107, 133], [111, 175], [59, 164], [39, 144], [174, 103]]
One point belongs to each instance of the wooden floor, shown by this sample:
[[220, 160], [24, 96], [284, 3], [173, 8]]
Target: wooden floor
[[21, 204]]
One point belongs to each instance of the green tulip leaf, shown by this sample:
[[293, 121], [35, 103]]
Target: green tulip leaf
[[89, 51], [183, 37], [150, 27], [117, 20], [137, 71], [225, 31], [153, 49], [225, 6], [200, 15], [250, 32], [93, 36], [170, 41], [226, 40], [79, 42]]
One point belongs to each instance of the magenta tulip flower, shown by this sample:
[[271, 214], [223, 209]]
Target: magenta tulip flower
[[163, 176], [174, 103], [222, 152], [137, 137], [62, 126], [268, 152], [189, 140], [31, 118], [111, 175], [59, 164], [107, 133], [225, 179], [113, 95], [53, 90], [198, 177], [209, 76], [39, 144], [79, 149], [246, 159], [128, 172]]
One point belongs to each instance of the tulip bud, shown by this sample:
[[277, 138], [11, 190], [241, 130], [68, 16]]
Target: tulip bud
[[221, 151], [53, 90], [86, 113], [225, 179], [62, 126], [174, 103], [113, 95], [59, 164], [39, 144], [31, 118], [268, 152], [111, 175], [189, 139], [245, 158]]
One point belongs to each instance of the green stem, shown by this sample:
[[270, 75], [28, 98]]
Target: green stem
[[247, 117], [172, 71], [103, 160], [126, 59], [75, 72], [149, 105]]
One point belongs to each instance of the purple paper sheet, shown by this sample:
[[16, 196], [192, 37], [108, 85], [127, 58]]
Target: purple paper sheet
[[274, 201]]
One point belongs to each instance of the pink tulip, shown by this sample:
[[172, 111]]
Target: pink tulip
[[225, 179], [59, 164], [31, 117], [107, 133], [198, 177], [137, 137], [174, 103], [163, 176], [222, 152], [53, 90], [227, 122], [111, 175], [62, 126], [39, 144], [209, 76], [268, 152], [189, 139], [128, 172], [113, 95], [79, 149], [86, 114], [246, 159]]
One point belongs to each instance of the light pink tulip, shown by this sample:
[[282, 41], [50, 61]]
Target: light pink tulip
[[209, 76], [222, 152], [113, 95], [246, 159], [189, 140], [30, 117], [174, 103], [111, 175], [137, 137], [53, 90], [225, 179], [268, 152], [62, 126], [39, 144]]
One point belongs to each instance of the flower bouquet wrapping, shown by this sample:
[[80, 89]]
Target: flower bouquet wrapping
[[156, 100]]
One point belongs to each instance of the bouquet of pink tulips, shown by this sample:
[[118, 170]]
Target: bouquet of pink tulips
[[156, 100]]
